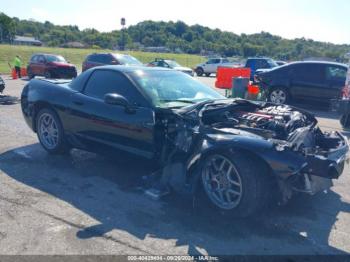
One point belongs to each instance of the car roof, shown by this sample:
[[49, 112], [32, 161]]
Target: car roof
[[257, 58], [109, 53], [45, 54], [129, 69], [318, 62]]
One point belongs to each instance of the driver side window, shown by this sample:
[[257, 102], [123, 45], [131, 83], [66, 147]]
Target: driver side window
[[103, 82], [214, 61], [210, 61], [41, 59]]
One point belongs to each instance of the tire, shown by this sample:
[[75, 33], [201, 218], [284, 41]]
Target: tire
[[48, 75], [30, 74], [252, 188], [50, 132], [345, 121], [278, 95], [207, 74], [199, 71]]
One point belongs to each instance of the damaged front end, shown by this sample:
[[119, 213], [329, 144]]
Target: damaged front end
[[298, 154]]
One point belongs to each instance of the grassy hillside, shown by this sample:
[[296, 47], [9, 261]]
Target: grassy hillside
[[76, 56]]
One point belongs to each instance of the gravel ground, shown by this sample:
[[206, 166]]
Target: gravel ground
[[89, 204]]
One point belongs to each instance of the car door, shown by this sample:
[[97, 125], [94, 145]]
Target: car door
[[211, 65], [335, 79], [97, 124], [41, 65], [32, 64], [307, 81]]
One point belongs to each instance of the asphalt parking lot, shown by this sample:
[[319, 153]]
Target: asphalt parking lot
[[90, 204]]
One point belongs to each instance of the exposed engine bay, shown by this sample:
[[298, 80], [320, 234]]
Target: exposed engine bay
[[280, 124]]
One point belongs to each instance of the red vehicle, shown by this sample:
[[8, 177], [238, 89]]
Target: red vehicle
[[50, 66], [109, 59]]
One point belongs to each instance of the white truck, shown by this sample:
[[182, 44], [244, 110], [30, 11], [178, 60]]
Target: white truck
[[212, 65]]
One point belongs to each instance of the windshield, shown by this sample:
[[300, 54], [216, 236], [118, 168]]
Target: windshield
[[55, 58], [173, 89], [172, 63], [272, 63], [127, 60]]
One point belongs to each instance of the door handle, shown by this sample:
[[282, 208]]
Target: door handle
[[79, 103]]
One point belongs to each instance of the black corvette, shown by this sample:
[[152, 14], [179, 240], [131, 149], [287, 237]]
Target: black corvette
[[238, 153]]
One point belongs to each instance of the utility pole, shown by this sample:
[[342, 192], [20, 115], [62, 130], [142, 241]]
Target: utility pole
[[123, 22]]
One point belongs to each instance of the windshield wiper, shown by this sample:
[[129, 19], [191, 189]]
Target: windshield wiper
[[177, 100]]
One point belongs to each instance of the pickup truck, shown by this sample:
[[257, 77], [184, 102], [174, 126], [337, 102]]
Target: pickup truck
[[212, 65], [256, 64]]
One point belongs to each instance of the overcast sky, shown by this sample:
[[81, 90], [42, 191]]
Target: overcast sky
[[324, 20]]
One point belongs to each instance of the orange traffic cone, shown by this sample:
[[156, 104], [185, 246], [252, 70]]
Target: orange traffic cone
[[13, 73], [23, 71]]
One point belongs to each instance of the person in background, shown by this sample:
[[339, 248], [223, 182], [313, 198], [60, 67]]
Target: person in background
[[18, 63]]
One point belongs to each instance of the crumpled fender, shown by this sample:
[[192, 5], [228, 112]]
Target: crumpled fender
[[282, 163]]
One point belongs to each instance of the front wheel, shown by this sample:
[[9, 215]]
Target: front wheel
[[345, 120], [48, 75], [50, 132], [199, 71], [279, 95], [236, 184]]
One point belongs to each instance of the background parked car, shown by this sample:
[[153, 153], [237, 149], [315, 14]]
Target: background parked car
[[109, 59], [320, 81], [50, 66], [258, 65], [211, 66], [167, 63]]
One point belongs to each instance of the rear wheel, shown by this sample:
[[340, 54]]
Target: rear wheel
[[235, 184], [199, 71], [50, 132], [30, 74], [279, 95], [345, 121]]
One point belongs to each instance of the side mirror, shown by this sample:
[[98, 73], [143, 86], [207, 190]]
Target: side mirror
[[118, 100]]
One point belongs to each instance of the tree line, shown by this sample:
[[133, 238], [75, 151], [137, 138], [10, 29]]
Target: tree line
[[176, 37]]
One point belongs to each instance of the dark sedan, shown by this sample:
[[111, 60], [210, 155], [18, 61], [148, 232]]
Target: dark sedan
[[167, 63], [239, 154], [318, 81], [50, 66]]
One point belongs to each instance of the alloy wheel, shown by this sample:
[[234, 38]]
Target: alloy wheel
[[48, 131], [222, 182], [278, 96]]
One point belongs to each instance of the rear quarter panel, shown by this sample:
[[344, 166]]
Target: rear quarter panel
[[38, 94]]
